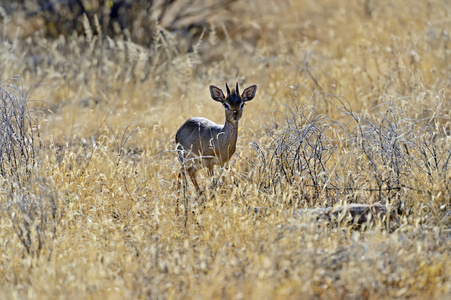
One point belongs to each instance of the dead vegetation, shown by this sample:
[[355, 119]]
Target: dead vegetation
[[339, 187]]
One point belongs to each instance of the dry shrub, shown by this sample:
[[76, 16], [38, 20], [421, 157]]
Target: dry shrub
[[29, 202], [19, 133]]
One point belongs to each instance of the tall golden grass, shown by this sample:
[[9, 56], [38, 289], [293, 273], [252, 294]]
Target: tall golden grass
[[352, 107]]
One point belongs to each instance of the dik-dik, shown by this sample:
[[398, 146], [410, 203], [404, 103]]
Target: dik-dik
[[203, 143]]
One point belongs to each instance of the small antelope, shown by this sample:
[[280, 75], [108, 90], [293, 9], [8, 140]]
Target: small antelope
[[203, 143]]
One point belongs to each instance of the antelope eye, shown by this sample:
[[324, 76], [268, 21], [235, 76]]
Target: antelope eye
[[226, 106]]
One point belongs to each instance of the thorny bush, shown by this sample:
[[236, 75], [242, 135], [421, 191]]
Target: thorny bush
[[375, 153], [29, 200]]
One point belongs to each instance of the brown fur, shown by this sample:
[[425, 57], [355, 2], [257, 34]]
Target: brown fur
[[203, 143]]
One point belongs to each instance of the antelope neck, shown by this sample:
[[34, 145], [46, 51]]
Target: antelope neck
[[231, 130], [230, 127]]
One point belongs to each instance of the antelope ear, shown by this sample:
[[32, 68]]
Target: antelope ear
[[216, 93], [249, 93]]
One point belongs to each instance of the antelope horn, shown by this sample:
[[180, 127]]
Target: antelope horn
[[237, 91], [228, 90]]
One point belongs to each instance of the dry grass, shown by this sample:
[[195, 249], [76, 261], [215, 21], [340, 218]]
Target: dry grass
[[352, 106]]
